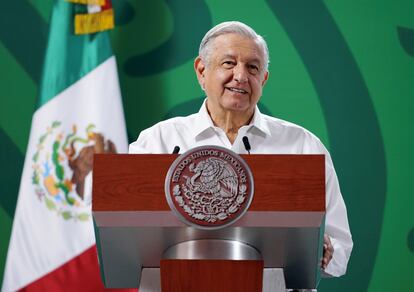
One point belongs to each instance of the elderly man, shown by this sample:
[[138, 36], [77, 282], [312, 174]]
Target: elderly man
[[232, 70]]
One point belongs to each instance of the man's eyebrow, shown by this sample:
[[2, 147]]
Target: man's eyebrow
[[230, 56], [255, 60], [225, 56]]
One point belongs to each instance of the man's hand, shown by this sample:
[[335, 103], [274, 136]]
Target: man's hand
[[328, 251]]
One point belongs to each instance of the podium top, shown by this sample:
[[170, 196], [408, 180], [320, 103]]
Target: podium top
[[135, 182]]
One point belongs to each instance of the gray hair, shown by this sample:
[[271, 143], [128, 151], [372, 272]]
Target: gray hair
[[231, 27]]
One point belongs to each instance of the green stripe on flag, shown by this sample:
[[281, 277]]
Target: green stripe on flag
[[63, 63]]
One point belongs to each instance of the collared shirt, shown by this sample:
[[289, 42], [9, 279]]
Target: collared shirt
[[267, 135]]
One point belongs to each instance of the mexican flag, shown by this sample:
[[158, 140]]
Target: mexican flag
[[79, 113]]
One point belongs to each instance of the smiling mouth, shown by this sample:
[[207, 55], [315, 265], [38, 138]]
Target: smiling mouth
[[238, 90]]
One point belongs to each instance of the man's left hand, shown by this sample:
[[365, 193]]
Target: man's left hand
[[328, 251]]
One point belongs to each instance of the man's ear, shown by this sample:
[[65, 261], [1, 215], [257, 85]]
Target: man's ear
[[199, 68], [265, 77]]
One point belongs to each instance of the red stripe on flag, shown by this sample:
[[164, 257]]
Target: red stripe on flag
[[107, 5], [79, 274]]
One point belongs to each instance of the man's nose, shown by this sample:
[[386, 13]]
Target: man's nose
[[240, 74]]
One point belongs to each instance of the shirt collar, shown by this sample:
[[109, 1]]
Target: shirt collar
[[204, 121], [258, 122]]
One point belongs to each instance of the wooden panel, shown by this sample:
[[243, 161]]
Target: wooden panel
[[288, 182], [123, 182], [134, 182], [211, 275]]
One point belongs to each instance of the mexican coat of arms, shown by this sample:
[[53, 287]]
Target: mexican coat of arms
[[209, 187]]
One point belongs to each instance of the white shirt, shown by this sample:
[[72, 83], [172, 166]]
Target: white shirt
[[267, 135]]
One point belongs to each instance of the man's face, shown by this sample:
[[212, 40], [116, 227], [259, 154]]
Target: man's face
[[234, 76]]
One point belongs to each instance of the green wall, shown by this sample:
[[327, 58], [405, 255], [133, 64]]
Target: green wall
[[342, 69]]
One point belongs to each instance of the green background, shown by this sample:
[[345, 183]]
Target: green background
[[342, 69]]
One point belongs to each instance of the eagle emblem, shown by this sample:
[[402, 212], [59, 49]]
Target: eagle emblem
[[209, 186], [61, 164]]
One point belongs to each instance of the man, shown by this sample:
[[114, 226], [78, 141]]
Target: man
[[232, 70]]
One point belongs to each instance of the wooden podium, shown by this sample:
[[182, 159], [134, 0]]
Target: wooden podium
[[135, 228]]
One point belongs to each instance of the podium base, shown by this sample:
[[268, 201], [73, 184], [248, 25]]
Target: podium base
[[211, 265], [273, 280], [150, 280]]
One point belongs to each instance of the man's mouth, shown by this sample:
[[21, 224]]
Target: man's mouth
[[238, 90]]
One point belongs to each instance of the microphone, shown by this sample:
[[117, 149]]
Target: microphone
[[176, 150], [246, 144]]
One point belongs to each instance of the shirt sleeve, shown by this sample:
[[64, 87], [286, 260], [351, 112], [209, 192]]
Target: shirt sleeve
[[149, 142], [140, 146], [336, 223]]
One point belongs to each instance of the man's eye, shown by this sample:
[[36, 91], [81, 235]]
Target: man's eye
[[253, 68], [228, 64]]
